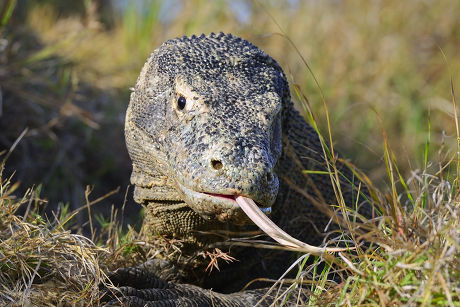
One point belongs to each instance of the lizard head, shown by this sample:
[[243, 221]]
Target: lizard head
[[205, 120]]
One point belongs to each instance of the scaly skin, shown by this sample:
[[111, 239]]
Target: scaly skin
[[212, 116]]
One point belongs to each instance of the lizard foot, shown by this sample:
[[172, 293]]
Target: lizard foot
[[138, 287]]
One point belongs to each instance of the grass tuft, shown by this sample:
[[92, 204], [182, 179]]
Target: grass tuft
[[41, 262]]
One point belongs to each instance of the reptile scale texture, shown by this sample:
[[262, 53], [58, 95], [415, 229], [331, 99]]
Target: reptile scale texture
[[211, 118]]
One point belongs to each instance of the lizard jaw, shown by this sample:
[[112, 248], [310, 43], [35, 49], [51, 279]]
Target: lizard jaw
[[223, 207], [265, 210]]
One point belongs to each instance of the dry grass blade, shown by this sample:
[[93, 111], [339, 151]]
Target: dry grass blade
[[46, 265], [42, 263]]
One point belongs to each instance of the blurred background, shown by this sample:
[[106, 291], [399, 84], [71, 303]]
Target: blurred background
[[66, 68]]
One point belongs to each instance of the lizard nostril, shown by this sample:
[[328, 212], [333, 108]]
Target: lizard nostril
[[216, 164]]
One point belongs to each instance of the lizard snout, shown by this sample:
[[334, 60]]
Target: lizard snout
[[269, 177], [228, 172], [239, 171]]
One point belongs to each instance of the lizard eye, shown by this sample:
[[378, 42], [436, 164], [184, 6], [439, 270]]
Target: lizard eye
[[181, 101]]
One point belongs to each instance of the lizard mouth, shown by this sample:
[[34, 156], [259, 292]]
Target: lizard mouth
[[216, 205], [266, 210]]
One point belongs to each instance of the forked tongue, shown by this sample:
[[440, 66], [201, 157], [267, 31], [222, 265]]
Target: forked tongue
[[260, 219]]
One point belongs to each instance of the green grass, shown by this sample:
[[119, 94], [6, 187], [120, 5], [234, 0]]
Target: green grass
[[413, 254]]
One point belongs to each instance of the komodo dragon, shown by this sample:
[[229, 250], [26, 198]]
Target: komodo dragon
[[211, 118]]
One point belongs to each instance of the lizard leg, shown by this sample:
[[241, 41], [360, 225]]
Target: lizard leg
[[151, 291], [138, 287]]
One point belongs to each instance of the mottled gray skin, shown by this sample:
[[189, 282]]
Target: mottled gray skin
[[234, 94], [237, 134]]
